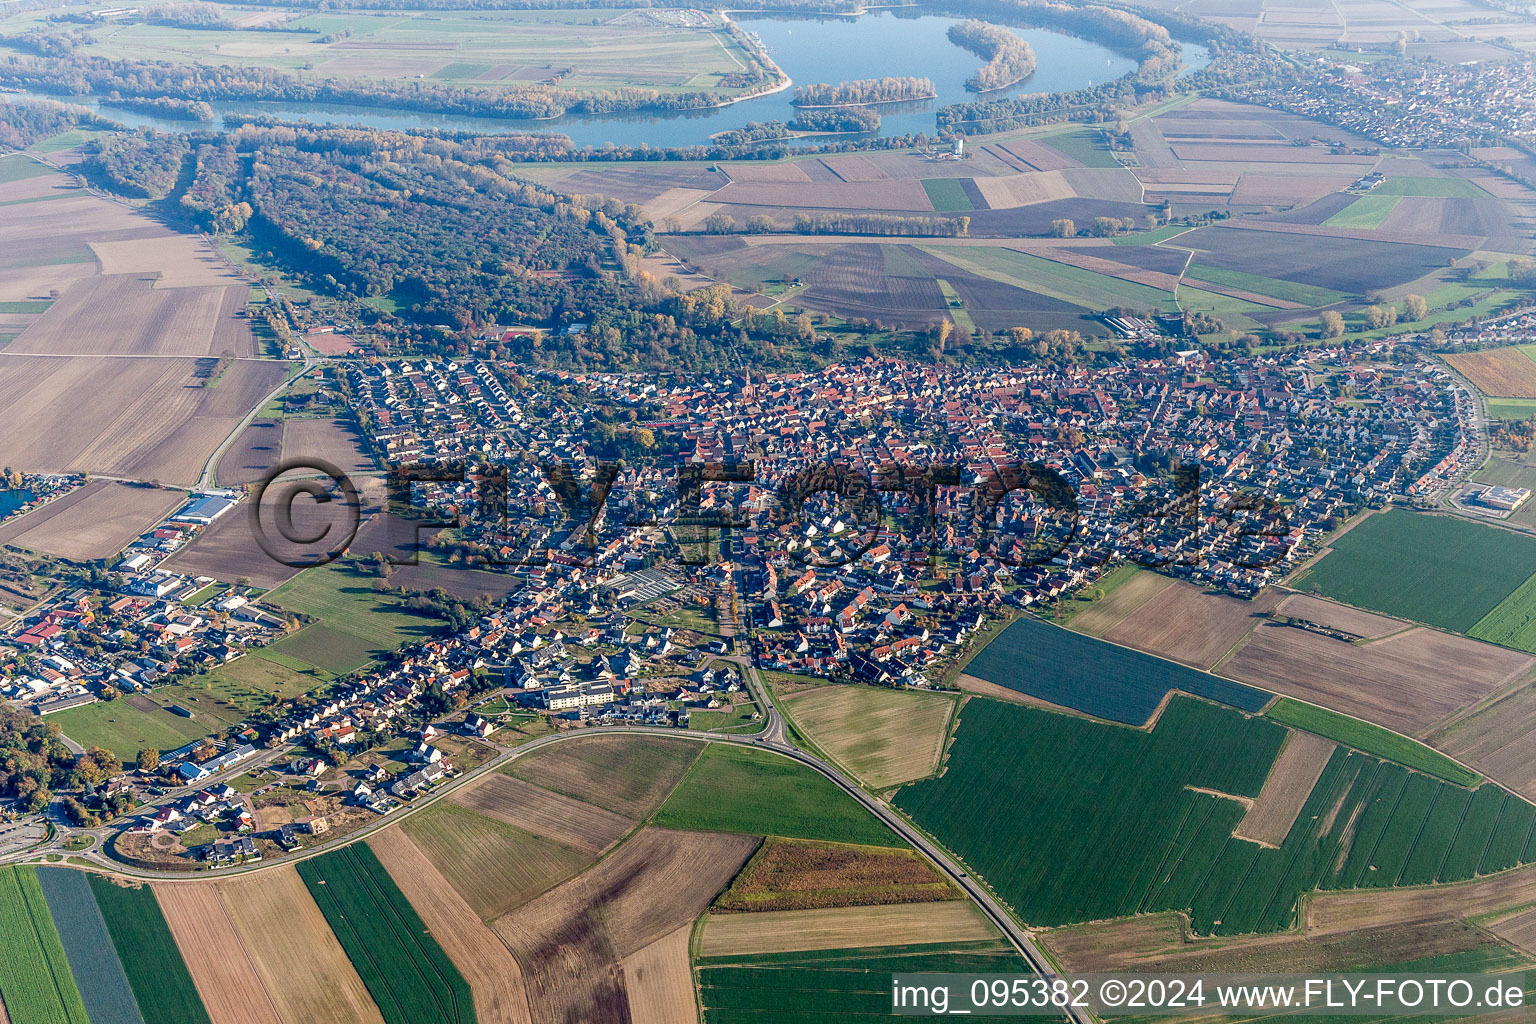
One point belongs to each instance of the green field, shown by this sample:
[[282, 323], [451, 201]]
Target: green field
[[405, 970], [1085, 288], [15, 167], [1366, 212], [1510, 408], [947, 195], [1439, 570], [1107, 821], [123, 729], [26, 306], [1512, 621], [35, 980], [1096, 677], [359, 625], [1405, 185], [159, 977], [1309, 295], [732, 788], [1083, 145], [1371, 739], [829, 986]]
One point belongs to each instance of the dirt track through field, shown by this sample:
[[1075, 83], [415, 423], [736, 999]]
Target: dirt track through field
[[223, 972], [494, 978]]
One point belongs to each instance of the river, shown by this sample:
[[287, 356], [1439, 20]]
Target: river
[[809, 49]]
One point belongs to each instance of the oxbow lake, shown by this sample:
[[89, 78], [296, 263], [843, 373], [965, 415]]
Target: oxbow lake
[[809, 49]]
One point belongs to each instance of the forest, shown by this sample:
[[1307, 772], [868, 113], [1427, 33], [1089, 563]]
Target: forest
[[1009, 58], [868, 90], [836, 119], [142, 164]]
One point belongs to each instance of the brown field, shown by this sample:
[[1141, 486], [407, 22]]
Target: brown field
[[1399, 681], [830, 195], [1338, 616], [37, 282], [1189, 624], [1159, 943], [672, 201], [1286, 189], [1497, 740], [1109, 610], [766, 173], [124, 315], [783, 931], [1291, 778], [1500, 372], [181, 261], [144, 418], [854, 168], [659, 982], [1335, 912], [494, 866], [1519, 930], [570, 941], [330, 438], [222, 970], [1038, 155], [94, 521], [493, 975], [300, 962], [257, 450], [544, 814], [227, 550], [788, 874], [1094, 259], [885, 737], [629, 775], [1024, 189]]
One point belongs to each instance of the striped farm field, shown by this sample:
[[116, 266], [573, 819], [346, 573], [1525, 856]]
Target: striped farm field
[[159, 977], [92, 956], [1499, 372], [406, 971], [35, 980], [1141, 822]]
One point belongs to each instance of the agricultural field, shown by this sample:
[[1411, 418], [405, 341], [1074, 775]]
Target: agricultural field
[[1291, 780], [571, 940], [222, 969], [1185, 623], [94, 960], [155, 970], [544, 814], [1141, 822], [35, 980], [787, 874], [486, 49], [494, 978], [884, 737], [658, 981], [357, 626], [1073, 671], [1495, 739], [496, 867], [1397, 680], [93, 522], [628, 775], [732, 788], [1499, 372], [808, 987], [406, 971], [1370, 739], [784, 931], [1439, 570]]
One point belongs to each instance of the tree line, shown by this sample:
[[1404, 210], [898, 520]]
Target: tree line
[[867, 90], [836, 119]]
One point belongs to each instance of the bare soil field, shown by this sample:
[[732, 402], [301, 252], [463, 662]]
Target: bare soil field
[[570, 941], [330, 438], [1350, 262], [1338, 616], [94, 521], [123, 315], [766, 174], [629, 775], [1037, 155], [1499, 372], [885, 195], [854, 168], [1286, 189], [783, 931], [1189, 624], [493, 865], [257, 450], [1159, 943], [300, 962], [885, 737], [1291, 778], [37, 283], [181, 261], [223, 972], [494, 978], [543, 813], [1024, 189], [1519, 930], [227, 550], [1498, 740], [672, 201], [1399, 682], [1341, 912], [659, 982], [144, 419]]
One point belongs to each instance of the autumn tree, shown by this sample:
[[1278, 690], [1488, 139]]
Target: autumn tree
[[1333, 324]]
